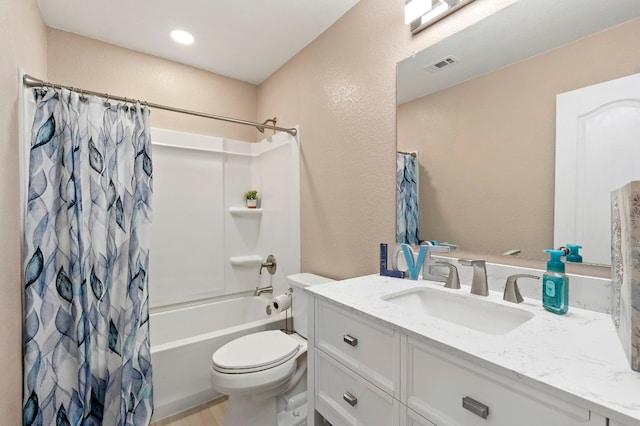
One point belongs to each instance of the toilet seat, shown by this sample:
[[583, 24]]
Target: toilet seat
[[255, 352]]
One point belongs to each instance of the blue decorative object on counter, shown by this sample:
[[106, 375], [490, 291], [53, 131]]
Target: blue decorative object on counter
[[383, 264], [414, 266], [555, 285]]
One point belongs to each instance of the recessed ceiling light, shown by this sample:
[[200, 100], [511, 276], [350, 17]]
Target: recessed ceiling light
[[182, 37]]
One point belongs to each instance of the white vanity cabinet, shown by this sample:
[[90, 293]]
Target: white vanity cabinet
[[345, 398], [357, 368], [362, 372], [369, 349], [447, 390]]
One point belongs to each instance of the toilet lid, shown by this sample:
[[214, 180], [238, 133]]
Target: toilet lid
[[256, 351]]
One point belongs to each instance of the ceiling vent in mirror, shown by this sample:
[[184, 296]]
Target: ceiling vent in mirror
[[442, 64]]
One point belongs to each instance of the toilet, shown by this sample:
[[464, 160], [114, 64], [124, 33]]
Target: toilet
[[264, 373]]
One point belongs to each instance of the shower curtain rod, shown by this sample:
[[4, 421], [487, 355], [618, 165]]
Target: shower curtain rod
[[30, 81]]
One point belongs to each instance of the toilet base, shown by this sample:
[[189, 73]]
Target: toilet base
[[294, 412], [256, 411]]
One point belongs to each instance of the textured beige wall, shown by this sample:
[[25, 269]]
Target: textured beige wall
[[23, 43], [341, 89], [90, 64], [487, 146]]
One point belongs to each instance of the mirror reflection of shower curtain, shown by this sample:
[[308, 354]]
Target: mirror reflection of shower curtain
[[407, 209]]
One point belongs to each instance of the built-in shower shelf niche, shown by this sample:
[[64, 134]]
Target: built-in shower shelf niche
[[253, 260], [245, 211]]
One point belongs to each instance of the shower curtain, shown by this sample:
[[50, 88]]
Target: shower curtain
[[407, 212], [86, 330]]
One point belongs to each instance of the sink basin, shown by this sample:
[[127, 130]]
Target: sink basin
[[467, 311]]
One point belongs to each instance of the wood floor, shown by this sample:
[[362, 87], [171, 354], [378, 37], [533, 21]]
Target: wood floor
[[211, 414]]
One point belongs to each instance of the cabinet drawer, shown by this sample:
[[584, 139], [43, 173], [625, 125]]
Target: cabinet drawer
[[371, 350], [438, 382], [344, 398]]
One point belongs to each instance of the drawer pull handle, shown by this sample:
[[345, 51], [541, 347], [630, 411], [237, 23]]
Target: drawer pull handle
[[477, 408], [350, 340], [351, 400]]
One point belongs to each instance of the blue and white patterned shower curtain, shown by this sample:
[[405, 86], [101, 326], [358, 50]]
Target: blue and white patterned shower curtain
[[86, 344], [407, 212]]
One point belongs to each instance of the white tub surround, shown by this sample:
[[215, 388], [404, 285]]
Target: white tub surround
[[205, 242], [572, 363], [184, 339]]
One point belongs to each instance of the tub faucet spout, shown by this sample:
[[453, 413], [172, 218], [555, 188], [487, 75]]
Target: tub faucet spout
[[260, 290]]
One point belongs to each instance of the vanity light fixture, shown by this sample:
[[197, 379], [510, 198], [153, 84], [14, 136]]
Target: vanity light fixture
[[182, 37], [420, 14], [413, 9]]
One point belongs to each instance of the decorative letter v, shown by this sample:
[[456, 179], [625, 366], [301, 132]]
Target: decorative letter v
[[414, 267]]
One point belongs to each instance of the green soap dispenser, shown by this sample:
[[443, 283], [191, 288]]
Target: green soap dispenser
[[555, 285]]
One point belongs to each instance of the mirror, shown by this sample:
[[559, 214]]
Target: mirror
[[478, 108]]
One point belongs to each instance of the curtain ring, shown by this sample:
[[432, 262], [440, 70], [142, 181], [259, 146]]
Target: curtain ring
[[106, 102]]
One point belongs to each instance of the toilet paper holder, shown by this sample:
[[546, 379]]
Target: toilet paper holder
[[281, 303]]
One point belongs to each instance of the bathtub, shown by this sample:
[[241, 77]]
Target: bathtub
[[184, 339]]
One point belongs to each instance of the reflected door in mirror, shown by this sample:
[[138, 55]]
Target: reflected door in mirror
[[597, 151]]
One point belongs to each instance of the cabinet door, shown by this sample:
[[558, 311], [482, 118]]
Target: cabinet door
[[371, 350], [344, 398], [408, 417], [450, 391]]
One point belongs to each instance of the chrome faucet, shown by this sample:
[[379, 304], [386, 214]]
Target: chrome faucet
[[260, 290], [511, 290], [479, 283]]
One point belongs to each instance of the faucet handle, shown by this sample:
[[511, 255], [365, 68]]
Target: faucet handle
[[270, 264], [453, 281], [511, 290]]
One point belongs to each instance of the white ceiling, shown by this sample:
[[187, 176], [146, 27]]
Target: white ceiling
[[519, 31], [244, 39]]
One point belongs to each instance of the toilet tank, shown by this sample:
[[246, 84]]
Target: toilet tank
[[300, 299]]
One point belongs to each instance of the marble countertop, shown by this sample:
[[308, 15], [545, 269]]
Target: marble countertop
[[578, 356]]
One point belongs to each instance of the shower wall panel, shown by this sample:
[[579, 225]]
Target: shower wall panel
[[205, 242]]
